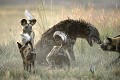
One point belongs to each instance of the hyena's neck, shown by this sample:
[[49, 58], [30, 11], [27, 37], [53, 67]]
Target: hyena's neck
[[83, 33]]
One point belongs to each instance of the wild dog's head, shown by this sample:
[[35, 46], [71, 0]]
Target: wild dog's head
[[93, 36], [27, 27], [26, 51], [111, 44]]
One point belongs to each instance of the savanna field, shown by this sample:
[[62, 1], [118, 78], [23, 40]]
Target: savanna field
[[107, 21]]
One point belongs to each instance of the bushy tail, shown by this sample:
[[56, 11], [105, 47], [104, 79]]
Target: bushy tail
[[28, 15]]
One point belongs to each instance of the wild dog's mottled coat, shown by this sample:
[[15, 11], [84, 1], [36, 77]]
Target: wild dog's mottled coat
[[112, 44], [27, 28], [28, 55]]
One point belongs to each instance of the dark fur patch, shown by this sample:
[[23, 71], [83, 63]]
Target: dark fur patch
[[71, 27]]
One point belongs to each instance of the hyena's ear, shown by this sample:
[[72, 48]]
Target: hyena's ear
[[19, 45], [33, 21], [23, 22], [109, 39]]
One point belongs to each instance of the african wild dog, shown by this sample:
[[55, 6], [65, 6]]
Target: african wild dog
[[27, 27], [27, 52], [58, 56], [73, 29], [112, 44], [28, 55]]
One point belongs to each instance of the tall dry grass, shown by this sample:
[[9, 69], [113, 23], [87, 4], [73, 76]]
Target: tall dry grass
[[106, 21]]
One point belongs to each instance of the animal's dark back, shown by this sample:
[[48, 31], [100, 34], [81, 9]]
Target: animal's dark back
[[69, 26]]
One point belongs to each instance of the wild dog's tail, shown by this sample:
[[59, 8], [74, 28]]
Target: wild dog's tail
[[28, 15], [60, 34]]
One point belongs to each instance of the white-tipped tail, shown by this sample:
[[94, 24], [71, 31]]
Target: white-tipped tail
[[25, 37], [61, 34], [28, 15]]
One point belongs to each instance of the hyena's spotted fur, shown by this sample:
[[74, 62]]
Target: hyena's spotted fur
[[58, 56], [28, 55], [112, 44], [74, 29]]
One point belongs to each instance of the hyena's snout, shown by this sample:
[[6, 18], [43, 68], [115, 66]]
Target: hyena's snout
[[97, 40]]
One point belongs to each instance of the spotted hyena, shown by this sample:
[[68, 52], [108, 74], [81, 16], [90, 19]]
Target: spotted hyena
[[112, 44], [57, 57], [73, 29], [28, 55]]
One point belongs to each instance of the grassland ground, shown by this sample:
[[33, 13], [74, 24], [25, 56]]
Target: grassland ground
[[106, 21]]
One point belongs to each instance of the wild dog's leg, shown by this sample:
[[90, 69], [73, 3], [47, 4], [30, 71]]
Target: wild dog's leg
[[33, 64], [52, 64], [71, 52], [30, 67], [27, 67], [115, 61], [60, 62], [67, 61], [118, 47], [24, 66]]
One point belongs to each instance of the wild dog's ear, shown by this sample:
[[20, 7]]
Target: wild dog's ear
[[109, 39], [19, 45], [23, 22], [33, 21]]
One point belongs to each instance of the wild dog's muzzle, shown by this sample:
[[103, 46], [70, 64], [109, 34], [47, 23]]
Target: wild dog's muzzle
[[107, 47]]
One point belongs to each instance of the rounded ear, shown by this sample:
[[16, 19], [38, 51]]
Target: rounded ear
[[23, 22], [33, 21], [19, 45], [109, 39]]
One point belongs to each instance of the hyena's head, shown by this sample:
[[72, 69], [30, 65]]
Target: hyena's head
[[111, 44], [27, 26], [93, 36]]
